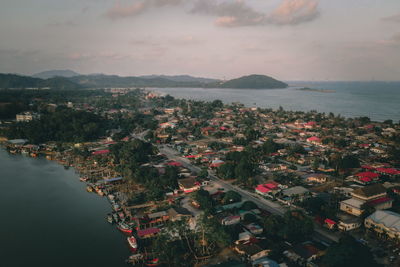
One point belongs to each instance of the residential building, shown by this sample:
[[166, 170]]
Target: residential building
[[385, 223]]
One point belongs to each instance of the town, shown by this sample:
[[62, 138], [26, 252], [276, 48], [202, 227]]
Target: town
[[193, 183]]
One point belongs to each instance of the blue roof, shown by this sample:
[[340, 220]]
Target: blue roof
[[112, 179]]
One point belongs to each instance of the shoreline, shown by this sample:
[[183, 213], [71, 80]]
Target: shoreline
[[115, 198]]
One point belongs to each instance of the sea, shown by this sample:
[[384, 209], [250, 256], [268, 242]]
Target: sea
[[377, 100], [48, 219]]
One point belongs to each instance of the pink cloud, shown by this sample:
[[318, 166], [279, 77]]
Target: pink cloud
[[295, 12]]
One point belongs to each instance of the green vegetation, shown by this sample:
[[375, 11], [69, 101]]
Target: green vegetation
[[254, 82], [64, 125], [294, 226], [348, 253]]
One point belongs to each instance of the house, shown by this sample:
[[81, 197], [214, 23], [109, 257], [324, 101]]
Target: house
[[373, 195], [177, 213], [385, 223], [366, 177], [267, 189], [254, 228], [188, 185], [296, 193], [314, 140], [27, 116], [252, 249], [352, 206], [147, 233], [305, 252], [316, 178], [167, 125], [348, 222], [229, 220], [330, 224], [388, 171]]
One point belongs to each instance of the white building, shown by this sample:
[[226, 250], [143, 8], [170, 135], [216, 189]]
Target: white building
[[27, 116]]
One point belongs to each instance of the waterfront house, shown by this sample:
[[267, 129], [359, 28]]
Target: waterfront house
[[148, 233]]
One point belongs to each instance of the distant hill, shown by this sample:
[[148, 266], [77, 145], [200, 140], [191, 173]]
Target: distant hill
[[253, 82], [55, 73], [132, 81], [22, 82], [181, 78], [104, 81]]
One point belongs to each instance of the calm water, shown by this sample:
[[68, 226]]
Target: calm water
[[48, 219], [377, 100]]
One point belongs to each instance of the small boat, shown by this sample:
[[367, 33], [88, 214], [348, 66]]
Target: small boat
[[84, 179], [99, 192], [121, 215], [110, 218], [115, 217], [116, 207], [152, 262], [123, 227], [132, 243], [89, 188]]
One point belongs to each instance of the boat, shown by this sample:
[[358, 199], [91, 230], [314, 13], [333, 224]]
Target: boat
[[115, 217], [84, 179], [110, 218], [132, 243], [99, 192], [123, 227], [89, 188], [152, 262]]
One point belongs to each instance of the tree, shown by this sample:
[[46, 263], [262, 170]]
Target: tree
[[273, 225], [297, 227], [231, 197], [249, 205], [348, 253], [349, 161], [204, 199]]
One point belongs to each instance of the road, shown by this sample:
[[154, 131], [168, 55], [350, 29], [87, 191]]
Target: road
[[319, 233]]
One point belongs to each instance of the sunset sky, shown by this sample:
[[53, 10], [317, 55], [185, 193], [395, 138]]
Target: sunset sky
[[286, 39]]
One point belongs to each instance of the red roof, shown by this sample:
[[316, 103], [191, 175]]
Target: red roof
[[314, 139], [329, 221], [390, 171], [174, 163], [148, 231], [271, 185], [262, 189], [379, 201], [367, 167], [311, 123], [368, 175], [101, 152]]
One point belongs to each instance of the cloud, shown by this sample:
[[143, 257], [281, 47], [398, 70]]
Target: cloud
[[238, 13], [119, 11], [295, 12], [229, 14], [393, 41], [393, 18]]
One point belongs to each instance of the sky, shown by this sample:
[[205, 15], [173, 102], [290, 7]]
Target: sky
[[286, 39]]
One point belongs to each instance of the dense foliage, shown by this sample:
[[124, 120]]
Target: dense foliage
[[65, 125]]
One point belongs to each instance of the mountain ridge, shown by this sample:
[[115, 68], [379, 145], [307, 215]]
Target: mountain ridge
[[105, 81]]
